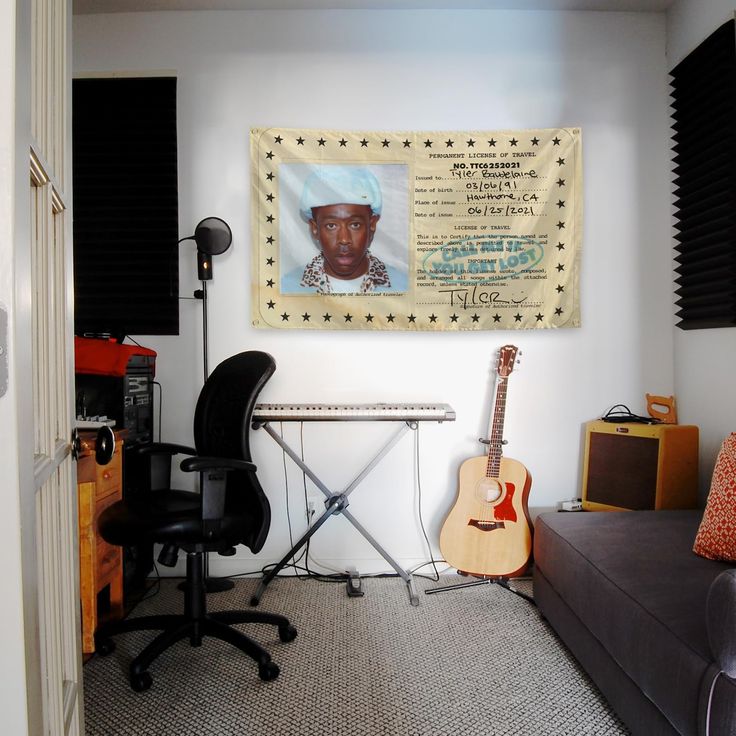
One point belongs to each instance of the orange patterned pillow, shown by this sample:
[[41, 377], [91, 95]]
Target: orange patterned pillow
[[716, 537]]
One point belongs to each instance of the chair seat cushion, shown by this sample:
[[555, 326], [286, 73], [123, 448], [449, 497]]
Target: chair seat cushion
[[169, 517]]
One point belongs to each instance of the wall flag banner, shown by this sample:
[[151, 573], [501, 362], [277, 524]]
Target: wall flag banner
[[416, 231]]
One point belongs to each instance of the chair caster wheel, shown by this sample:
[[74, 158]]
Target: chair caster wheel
[[105, 647], [268, 671], [287, 633], [254, 601], [141, 682]]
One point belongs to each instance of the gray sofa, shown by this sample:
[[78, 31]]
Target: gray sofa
[[652, 623]]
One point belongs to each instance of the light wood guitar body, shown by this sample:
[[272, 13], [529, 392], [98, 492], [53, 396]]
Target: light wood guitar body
[[489, 538], [488, 532]]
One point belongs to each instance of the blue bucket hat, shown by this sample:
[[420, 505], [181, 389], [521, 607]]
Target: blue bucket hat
[[340, 184]]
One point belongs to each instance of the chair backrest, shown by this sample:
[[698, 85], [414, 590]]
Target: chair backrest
[[222, 417], [222, 422]]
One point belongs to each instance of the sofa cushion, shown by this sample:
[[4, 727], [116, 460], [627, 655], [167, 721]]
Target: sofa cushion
[[632, 579], [716, 537]]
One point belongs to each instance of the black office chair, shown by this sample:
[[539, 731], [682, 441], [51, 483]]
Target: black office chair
[[230, 509]]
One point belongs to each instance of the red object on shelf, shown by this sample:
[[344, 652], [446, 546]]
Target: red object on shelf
[[105, 357]]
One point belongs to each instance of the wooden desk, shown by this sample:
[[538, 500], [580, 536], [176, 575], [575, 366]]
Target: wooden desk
[[100, 563]]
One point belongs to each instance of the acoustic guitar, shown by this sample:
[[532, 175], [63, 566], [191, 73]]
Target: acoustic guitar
[[488, 531]]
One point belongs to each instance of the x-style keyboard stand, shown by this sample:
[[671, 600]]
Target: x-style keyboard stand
[[336, 503]]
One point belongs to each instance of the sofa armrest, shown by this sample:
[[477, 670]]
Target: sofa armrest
[[721, 621]]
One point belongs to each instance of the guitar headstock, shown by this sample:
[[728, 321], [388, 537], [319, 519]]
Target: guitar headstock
[[506, 359]]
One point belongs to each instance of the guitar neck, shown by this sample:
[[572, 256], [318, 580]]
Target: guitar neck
[[493, 466]]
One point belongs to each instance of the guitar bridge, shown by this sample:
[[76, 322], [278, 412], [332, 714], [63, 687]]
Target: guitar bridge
[[485, 525]]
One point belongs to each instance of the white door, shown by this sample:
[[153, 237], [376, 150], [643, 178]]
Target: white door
[[42, 638], [51, 273]]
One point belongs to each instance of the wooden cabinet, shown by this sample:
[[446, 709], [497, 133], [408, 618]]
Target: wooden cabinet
[[100, 563]]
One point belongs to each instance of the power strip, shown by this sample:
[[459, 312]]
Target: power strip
[[574, 505], [355, 586]]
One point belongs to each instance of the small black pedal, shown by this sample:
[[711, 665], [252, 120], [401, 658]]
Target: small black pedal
[[355, 584]]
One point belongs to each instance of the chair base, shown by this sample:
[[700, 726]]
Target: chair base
[[194, 625]]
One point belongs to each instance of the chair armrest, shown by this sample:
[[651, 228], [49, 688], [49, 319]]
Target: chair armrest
[[166, 448], [154, 463], [213, 485], [200, 464]]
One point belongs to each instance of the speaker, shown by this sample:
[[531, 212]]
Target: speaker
[[633, 466]]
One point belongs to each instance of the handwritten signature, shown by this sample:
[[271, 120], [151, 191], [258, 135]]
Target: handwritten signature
[[477, 296]]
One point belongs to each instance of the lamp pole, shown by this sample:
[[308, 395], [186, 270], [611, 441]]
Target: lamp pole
[[202, 294], [213, 237], [205, 349]]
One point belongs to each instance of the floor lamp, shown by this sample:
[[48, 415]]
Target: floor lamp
[[213, 237]]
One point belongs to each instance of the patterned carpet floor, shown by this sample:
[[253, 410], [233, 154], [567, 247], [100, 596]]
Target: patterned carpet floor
[[478, 661]]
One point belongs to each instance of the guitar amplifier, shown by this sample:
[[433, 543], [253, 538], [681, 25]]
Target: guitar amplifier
[[632, 466]]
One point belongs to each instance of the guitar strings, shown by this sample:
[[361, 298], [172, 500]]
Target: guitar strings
[[493, 462]]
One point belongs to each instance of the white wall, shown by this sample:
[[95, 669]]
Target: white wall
[[704, 359], [404, 70]]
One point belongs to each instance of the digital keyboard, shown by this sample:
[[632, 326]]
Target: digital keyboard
[[406, 417], [353, 412]]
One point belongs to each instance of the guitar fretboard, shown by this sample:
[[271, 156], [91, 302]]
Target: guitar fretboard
[[493, 466]]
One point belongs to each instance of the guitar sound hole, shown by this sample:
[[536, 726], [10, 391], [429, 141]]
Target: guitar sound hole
[[488, 490]]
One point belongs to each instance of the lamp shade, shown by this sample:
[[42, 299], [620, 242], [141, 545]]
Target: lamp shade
[[213, 236]]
